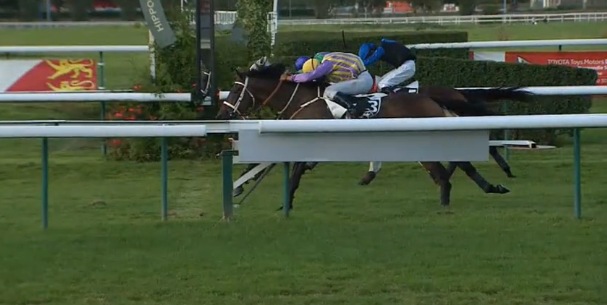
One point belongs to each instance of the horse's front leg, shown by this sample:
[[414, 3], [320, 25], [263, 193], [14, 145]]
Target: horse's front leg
[[474, 175], [240, 189]]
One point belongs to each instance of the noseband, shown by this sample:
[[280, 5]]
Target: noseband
[[235, 107]]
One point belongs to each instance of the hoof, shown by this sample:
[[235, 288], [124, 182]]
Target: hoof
[[238, 191], [511, 176], [502, 189], [446, 210], [369, 176], [498, 189]]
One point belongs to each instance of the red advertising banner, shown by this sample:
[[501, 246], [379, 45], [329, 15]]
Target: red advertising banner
[[48, 75], [589, 60]]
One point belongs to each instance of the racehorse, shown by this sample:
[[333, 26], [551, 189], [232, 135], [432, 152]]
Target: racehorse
[[476, 97], [264, 87]]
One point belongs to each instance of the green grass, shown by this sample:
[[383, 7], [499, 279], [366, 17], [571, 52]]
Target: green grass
[[386, 243]]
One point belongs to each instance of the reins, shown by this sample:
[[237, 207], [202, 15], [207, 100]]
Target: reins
[[245, 90]]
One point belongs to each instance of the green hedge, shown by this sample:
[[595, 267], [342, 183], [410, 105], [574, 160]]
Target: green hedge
[[305, 43], [290, 45], [466, 73]]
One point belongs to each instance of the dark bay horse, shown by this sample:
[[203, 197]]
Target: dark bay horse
[[479, 99], [264, 87]]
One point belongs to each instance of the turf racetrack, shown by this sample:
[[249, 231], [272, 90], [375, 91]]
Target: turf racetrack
[[388, 243]]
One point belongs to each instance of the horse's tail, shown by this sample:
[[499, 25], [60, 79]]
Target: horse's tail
[[495, 94], [463, 108]]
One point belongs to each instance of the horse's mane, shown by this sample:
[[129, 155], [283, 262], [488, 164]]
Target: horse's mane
[[273, 71]]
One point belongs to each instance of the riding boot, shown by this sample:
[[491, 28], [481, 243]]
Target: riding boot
[[388, 90], [344, 101]]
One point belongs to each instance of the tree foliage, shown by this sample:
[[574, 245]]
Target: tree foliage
[[253, 17]]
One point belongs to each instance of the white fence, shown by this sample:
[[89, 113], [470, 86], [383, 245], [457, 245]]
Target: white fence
[[103, 131], [284, 138], [434, 124], [59, 97], [229, 17], [452, 45]]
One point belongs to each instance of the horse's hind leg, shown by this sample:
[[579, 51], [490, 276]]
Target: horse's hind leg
[[440, 174], [487, 187], [501, 161], [374, 168]]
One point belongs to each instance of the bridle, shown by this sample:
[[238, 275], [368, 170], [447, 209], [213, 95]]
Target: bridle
[[234, 108]]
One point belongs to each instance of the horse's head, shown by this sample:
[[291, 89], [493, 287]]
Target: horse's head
[[261, 63], [251, 90]]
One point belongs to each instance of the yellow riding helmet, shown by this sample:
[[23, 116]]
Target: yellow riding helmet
[[310, 65]]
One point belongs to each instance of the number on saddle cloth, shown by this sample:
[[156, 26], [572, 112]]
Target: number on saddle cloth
[[373, 103]]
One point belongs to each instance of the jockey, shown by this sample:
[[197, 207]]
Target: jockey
[[393, 53], [346, 73], [302, 60]]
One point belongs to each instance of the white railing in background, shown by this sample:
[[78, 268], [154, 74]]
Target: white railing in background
[[227, 18], [453, 20], [60, 97], [133, 48], [451, 45]]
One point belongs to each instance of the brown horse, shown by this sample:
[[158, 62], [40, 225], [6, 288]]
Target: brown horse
[[476, 97], [479, 99], [265, 87]]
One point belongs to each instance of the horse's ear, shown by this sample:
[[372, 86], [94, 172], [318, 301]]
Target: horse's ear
[[240, 75]]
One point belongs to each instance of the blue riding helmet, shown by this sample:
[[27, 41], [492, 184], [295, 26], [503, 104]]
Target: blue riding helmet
[[300, 62], [366, 49], [370, 53]]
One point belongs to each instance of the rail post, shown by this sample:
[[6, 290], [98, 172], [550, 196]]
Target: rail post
[[286, 185], [577, 174], [101, 86], [164, 178], [227, 158], [506, 134], [44, 183]]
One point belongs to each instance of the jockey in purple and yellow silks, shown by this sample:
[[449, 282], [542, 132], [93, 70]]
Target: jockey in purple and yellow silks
[[345, 71], [302, 60]]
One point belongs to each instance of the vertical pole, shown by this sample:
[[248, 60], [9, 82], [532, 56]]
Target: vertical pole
[[577, 175], [506, 134], [100, 72], [228, 183], [48, 11], [44, 183], [164, 178], [286, 184], [101, 86]]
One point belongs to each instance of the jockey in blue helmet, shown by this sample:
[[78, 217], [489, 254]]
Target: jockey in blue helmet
[[300, 62], [393, 53]]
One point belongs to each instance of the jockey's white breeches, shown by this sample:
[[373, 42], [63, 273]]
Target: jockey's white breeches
[[398, 75]]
